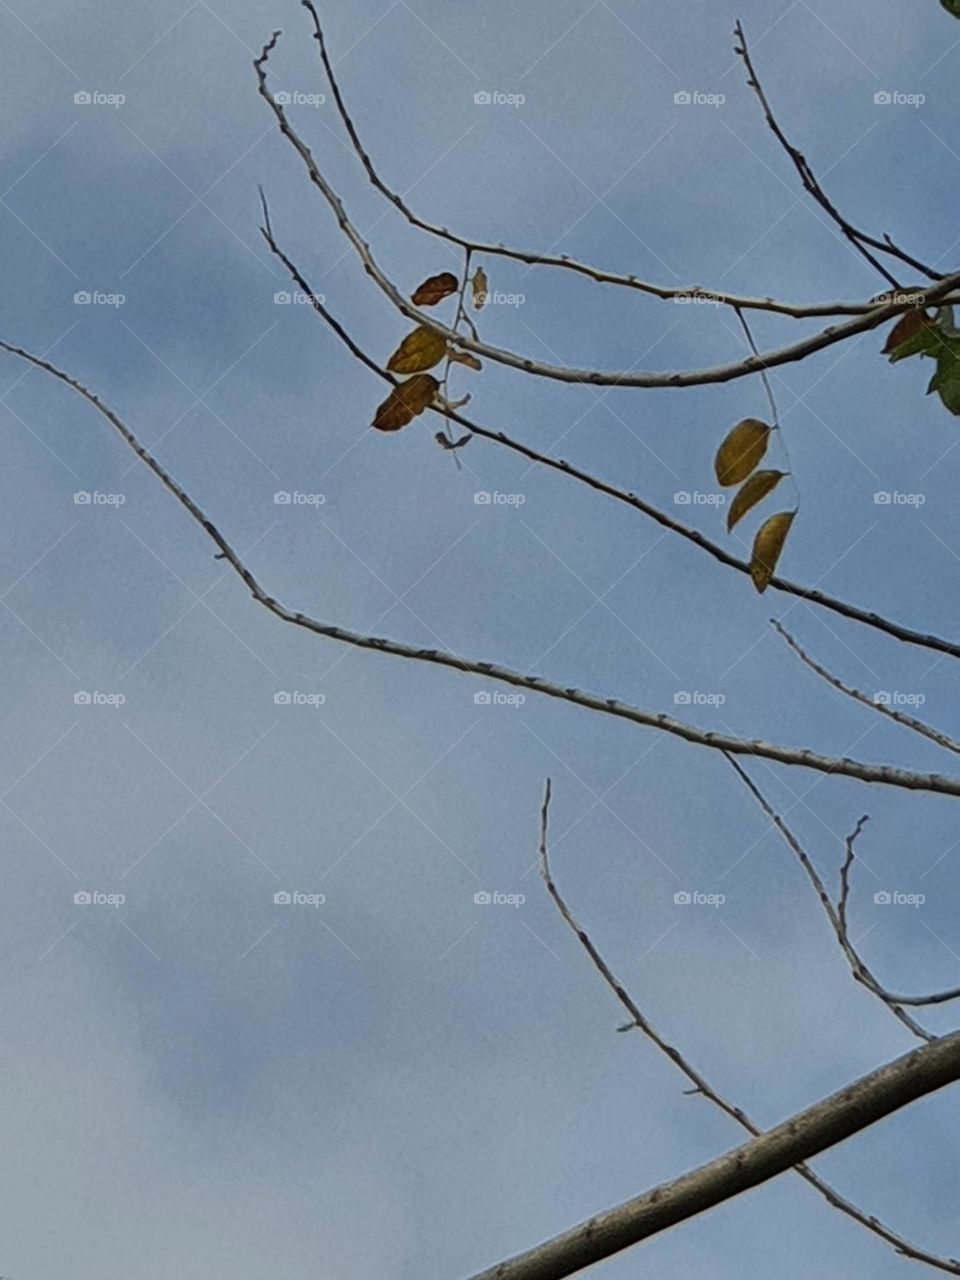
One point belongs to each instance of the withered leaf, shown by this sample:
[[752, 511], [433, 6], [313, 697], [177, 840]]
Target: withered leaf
[[435, 290], [741, 451], [405, 402], [753, 491], [479, 284], [767, 547], [420, 350], [465, 358]]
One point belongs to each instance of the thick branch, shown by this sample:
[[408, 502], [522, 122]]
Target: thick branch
[[700, 1085], [828, 1122]]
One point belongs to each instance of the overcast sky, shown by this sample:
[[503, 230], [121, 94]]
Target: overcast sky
[[399, 1081]]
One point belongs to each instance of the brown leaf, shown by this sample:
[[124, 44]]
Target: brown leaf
[[464, 357], [753, 491], [480, 285], [420, 350], [435, 290], [908, 326], [405, 402], [741, 451], [767, 547]]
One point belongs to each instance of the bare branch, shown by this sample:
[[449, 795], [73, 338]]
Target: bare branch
[[858, 239], [700, 1084], [899, 717], [888, 775], [561, 373], [857, 967], [533, 259]]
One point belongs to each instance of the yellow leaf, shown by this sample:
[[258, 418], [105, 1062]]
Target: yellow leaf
[[479, 283], [767, 547], [753, 491], [741, 451], [405, 402], [435, 290], [419, 350], [464, 357]]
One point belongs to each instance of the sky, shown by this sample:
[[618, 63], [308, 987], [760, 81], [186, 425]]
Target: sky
[[387, 1075]]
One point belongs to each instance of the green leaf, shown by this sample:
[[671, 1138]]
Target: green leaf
[[952, 6], [946, 381]]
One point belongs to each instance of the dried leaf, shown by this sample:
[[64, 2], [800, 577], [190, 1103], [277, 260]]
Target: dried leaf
[[767, 547], [419, 351], [753, 491], [465, 358], [444, 443], [435, 290], [479, 284], [742, 450], [405, 402]]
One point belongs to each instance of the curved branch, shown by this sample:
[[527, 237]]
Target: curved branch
[[828, 1122], [561, 373], [532, 259], [700, 1084], [887, 775]]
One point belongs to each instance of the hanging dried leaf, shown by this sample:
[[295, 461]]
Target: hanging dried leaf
[[435, 290], [465, 358], [479, 284], [753, 491], [742, 451], [419, 351], [405, 402], [767, 547]]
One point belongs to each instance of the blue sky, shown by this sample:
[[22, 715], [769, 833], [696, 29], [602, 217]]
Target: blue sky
[[400, 1081]]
